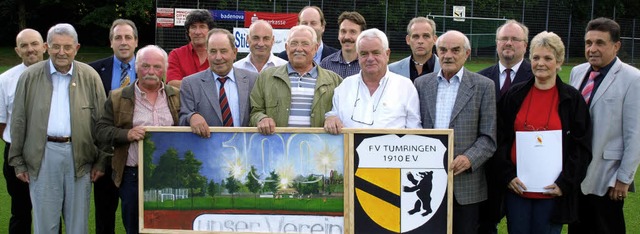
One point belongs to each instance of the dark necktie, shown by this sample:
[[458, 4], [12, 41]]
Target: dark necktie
[[588, 88], [124, 74], [227, 119], [507, 83]]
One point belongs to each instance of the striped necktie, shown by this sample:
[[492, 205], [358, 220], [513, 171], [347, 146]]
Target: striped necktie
[[588, 88], [227, 119], [124, 74]]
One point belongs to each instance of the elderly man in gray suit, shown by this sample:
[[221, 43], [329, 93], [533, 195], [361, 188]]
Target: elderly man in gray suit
[[218, 96], [610, 88], [421, 35], [455, 98]]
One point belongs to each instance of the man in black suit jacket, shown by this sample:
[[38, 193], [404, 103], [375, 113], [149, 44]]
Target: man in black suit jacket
[[312, 16], [511, 45], [124, 40]]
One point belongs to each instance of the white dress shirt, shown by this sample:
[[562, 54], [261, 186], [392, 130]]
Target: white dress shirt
[[8, 83], [231, 89], [246, 64], [503, 74], [394, 104]]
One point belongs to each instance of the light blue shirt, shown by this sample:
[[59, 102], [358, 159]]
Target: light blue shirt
[[446, 98], [318, 57], [117, 70], [231, 89], [60, 112]]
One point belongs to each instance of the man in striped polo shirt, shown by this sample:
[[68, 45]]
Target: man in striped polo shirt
[[296, 94]]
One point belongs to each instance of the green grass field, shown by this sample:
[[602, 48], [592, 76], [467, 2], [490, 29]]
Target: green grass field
[[317, 204], [9, 59]]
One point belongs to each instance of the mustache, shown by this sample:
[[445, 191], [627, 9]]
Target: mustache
[[348, 40], [151, 77], [299, 53]]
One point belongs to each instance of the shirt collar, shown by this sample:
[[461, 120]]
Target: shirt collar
[[139, 91], [313, 72], [230, 75], [269, 60], [53, 70], [318, 55], [604, 70], [513, 69], [118, 63], [381, 82], [456, 77], [340, 58]]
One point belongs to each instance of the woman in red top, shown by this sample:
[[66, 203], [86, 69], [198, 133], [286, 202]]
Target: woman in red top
[[544, 103]]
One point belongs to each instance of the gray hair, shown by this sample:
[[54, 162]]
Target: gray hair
[[142, 51], [303, 27], [62, 29], [524, 28], [467, 44], [422, 19], [373, 33]]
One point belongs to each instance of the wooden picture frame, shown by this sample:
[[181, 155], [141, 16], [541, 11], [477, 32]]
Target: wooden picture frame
[[318, 171], [399, 181]]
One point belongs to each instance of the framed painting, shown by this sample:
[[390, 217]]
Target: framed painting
[[239, 180]]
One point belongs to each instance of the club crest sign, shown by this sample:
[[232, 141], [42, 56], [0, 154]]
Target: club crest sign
[[400, 183]]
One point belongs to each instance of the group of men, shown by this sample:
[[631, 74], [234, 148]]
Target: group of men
[[61, 128]]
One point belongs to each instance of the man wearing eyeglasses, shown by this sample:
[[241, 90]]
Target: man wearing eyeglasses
[[511, 45], [456, 98], [53, 146], [376, 97], [297, 94]]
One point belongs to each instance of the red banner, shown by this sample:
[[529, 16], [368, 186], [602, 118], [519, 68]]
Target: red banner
[[277, 20]]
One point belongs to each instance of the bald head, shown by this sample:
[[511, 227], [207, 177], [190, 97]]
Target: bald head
[[30, 46], [260, 40], [453, 50]]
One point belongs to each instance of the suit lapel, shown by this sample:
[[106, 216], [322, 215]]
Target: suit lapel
[[243, 94], [495, 76], [606, 81], [107, 73], [432, 97], [465, 92], [211, 92]]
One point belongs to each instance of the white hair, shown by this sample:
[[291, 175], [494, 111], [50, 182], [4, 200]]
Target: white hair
[[303, 27], [373, 33], [141, 52]]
